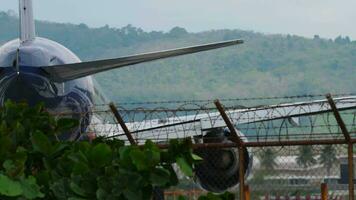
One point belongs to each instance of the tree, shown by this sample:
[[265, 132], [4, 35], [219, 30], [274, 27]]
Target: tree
[[305, 157], [178, 32], [341, 40], [268, 159], [316, 37], [328, 157]]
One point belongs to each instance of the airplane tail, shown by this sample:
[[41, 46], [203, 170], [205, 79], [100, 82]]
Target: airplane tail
[[27, 23]]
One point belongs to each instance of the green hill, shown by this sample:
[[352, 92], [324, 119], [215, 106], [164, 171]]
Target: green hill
[[266, 65]]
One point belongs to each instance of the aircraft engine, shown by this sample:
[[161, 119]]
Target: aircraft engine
[[219, 170]]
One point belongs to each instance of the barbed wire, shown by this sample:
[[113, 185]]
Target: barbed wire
[[188, 119], [235, 99]]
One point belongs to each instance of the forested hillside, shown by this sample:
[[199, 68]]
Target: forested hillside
[[266, 65]]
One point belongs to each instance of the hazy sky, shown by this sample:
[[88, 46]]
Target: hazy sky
[[328, 18]]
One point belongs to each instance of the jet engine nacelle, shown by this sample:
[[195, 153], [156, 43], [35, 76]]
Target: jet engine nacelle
[[219, 170]]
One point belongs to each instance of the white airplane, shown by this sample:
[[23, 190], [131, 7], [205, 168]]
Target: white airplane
[[40, 70]]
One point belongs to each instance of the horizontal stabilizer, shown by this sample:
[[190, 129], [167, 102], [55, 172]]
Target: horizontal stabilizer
[[67, 72]]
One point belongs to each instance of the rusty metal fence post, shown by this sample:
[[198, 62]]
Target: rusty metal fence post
[[247, 193], [241, 173], [324, 191], [351, 171], [122, 123], [348, 139], [235, 138]]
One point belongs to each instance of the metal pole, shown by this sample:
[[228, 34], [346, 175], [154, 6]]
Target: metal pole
[[241, 173], [235, 138], [351, 171], [324, 191], [338, 118], [349, 141], [247, 193], [122, 124], [228, 123]]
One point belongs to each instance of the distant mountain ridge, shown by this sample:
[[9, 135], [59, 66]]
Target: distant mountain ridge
[[266, 65]]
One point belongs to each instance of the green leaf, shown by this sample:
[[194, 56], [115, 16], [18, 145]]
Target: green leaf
[[105, 183], [139, 159], [30, 188], [160, 177], [43, 178], [101, 194], [196, 157], [125, 159], [78, 157], [16, 166], [182, 198], [131, 179], [151, 146], [184, 166], [82, 146], [60, 188], [5, 144], [100, 155], [9, 167], [3, 128], [227, 196], [203, 198], [133, 195], [80, 168], [59, 148], [65, 124], [152, 153], [41, 143], [173, 178], [9, 187], [153, 157], [77, 190]]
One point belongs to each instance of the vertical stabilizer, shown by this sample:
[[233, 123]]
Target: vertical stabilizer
[[27, 23]]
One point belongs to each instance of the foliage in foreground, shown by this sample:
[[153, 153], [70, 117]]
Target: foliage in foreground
[[33, 164]]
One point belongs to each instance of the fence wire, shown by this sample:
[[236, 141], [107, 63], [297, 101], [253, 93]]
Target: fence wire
[[305, 121], [274, 172]]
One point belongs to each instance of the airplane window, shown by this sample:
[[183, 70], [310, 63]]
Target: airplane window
[[162, 121], [56, 61]]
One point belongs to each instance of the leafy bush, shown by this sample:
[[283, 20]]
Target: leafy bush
[[34, 164]]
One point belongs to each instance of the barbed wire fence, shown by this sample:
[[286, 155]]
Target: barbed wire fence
[[293, 148]]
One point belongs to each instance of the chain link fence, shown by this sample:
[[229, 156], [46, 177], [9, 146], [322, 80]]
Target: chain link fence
[[278, 173], [298, 171], [289, 149]]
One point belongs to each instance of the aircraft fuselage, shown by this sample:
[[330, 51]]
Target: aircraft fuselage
[[23, 79]]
